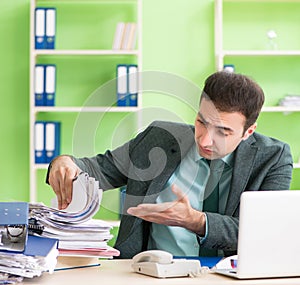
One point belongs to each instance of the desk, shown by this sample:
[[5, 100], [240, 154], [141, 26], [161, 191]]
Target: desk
[[119, 272]]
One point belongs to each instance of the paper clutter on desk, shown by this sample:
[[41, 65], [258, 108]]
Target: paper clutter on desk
[[77, 232], [40, 255]]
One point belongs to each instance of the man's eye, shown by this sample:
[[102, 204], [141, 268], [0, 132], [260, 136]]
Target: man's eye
[[223, 133]]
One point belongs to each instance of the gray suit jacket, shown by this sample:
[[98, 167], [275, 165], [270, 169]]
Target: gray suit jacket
[[146, 163]]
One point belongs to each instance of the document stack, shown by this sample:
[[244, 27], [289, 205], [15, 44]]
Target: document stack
[[22, 255], [77, 232], [290, 101]]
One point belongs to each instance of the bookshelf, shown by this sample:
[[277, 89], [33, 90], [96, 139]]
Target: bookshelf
[[243, 41], [85, 73]]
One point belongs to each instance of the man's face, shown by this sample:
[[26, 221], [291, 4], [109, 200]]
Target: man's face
[[219, 133]]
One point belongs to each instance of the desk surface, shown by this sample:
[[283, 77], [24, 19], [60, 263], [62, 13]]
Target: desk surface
[[112, 272]]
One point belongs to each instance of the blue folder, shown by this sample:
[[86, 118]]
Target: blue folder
[[122, 85], [40, 246], [40, 23], [50, 28], [132, 73], [205, 261], [52, 140]]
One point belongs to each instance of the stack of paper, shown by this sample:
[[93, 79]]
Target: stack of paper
[[290, 101], [40, 255], [78, 233]]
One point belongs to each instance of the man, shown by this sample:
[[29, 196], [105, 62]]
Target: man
[[168, 166]]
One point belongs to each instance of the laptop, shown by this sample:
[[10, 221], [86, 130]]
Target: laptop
[[269, 235]]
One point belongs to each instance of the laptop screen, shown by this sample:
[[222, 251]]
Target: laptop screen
[[269, 234]]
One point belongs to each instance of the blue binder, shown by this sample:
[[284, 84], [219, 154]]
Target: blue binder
[[132, 73], [39, 142], [40, 23], [13, 226], [122, 85], [50, 28], [40, 246], [52, 140], [50, 85], [39, 85]]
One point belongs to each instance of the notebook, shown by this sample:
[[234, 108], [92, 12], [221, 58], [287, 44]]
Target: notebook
[[269, 235]]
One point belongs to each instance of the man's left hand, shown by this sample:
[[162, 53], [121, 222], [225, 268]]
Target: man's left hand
[[176, 213]]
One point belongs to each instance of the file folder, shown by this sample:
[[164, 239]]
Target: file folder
[[122, 85], [50, 83], [50, 28], [52, 140], [40, 246], [132, 73], [39, 85], [40, 22], [13, 226], [39, 145]]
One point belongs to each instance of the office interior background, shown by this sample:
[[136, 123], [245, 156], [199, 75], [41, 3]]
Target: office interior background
[[178, 46]]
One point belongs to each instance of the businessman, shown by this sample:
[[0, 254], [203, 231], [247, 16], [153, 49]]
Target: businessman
[[183, 183]]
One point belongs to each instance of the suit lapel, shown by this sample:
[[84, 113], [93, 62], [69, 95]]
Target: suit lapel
[[185, 142], [243, 165]]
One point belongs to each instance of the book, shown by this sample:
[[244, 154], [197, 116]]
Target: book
[[118, 36]]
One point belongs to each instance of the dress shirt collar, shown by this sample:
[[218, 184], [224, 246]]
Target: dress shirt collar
[[228, 159]]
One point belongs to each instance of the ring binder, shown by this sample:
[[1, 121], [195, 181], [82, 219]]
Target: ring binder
[[13, 226]]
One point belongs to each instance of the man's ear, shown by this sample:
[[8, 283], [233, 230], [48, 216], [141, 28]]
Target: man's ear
[[249, 131]]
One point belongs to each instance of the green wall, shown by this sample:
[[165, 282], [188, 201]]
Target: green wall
[[178, 44], [14, 86]]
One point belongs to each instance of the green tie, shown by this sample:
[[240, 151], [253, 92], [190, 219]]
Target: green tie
[[211, 196], [211, 193]]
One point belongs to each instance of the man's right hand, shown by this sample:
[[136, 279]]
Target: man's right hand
[[61, 174]]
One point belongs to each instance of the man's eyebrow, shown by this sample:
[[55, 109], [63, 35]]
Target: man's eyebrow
[[218, 127]]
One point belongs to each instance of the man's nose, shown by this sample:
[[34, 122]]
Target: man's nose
[[207, 138]]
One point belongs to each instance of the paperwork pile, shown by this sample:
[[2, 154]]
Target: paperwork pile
[[77, 232], [22, 255], [40, 255], [290, 101]]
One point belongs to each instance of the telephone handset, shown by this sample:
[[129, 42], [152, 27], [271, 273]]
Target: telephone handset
[[159, 263]]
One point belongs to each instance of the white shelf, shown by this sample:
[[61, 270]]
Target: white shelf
[[281, 109], [36, 55], [85, 52], [90, 109], [262, 1], [40, 166], [261, 53], [89, 1], [296, 165], [221, 53]]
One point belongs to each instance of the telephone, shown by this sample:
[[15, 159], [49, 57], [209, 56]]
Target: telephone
[[159, 263]]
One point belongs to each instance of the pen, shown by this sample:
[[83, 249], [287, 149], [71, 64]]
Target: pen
[[77, 267]]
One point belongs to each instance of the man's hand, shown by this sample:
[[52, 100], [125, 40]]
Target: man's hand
[[61, 174], [177, 213]]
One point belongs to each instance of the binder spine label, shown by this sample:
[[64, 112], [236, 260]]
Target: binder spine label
[[50, 28], [122, 83], [40, 22]]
